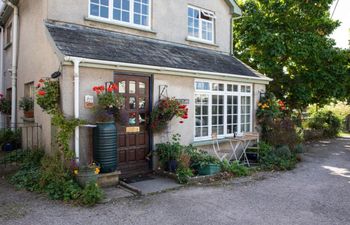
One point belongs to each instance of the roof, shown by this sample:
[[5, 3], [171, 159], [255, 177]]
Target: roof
[[91, 43]]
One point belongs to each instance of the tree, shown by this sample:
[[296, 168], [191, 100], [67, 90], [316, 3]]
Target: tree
[[288, 40]]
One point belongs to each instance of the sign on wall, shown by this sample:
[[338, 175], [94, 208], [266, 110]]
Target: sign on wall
[[184, 101], [89, 101]]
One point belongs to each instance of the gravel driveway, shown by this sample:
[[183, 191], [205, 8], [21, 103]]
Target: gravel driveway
[[317, 192]]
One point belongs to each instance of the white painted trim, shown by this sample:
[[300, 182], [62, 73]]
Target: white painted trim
[[200, 38], [225, 93], [130, 24]]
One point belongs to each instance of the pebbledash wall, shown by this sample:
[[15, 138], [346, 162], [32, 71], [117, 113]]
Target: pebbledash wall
[[178, 86], [36, 59]]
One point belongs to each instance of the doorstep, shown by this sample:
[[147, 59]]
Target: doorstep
[[155, 184], [108, 179], [115, 193]]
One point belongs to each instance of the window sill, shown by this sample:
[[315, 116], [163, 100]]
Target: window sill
[[7, 45], [120, 24], [191, 39]]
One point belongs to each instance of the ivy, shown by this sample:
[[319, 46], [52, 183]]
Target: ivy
[[48, 96]]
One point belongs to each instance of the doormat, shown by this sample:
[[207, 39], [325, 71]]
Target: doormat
[[139, 178]]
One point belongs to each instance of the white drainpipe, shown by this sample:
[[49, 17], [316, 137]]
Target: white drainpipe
[[76, 63], [14, 63], [2, 79]]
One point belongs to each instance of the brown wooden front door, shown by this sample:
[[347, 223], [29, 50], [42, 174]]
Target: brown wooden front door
[[133, 135]]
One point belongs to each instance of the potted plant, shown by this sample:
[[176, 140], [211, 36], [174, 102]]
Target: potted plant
[[85, 174], [169, 153], [27, 105], [105, 134], [10, 140], [5, 105], [205, 164], [165, 111]]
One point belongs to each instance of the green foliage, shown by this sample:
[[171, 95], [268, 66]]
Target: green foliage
[[169, 150], [5, 105], [29, 174], [91, 194], [279, 158], [10, 136], [109, 102], [201, 159], [234, 168], [183, 174], [26, 104], [48, 95], [328, 122], [48, 174], [289, 42], [165, 111], [65, 132]]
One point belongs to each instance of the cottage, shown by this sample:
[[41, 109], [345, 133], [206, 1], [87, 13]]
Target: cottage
[[151, 48]]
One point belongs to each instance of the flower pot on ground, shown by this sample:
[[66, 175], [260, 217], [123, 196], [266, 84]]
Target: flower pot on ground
[[27, 105], [169, 153], [85, 175], [209, 169], [10, 140]]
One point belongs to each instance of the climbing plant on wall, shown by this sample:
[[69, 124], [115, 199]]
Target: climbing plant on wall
[[48, 97]]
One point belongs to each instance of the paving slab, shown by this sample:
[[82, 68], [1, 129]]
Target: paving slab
[[114, 193], [156, 185]]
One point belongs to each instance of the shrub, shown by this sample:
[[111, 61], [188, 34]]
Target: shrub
[[234, 168], [170, 150], [328, 122], [183, 174], [280, 158], [282, 132], [49, 175], [29, 174], [91, 194]]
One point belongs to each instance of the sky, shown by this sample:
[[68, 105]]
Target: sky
[[342, 33]]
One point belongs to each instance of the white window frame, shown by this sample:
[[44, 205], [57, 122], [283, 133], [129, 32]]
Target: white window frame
[[200, 38], [122, 23], [225, 93]]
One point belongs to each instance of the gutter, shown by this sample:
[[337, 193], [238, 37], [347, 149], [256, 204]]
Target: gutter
[[14, 63]]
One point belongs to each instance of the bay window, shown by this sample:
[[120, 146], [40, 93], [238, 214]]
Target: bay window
[[222, 109], [200, 24], [127, 12]]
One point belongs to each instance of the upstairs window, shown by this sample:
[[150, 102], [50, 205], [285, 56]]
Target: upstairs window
[[99, 8], [201, 24], [127, 12]]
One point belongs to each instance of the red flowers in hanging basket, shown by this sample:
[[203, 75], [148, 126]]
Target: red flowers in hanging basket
[[165, 111]]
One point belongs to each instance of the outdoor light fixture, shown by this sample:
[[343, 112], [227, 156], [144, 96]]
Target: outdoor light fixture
[[56, 74]]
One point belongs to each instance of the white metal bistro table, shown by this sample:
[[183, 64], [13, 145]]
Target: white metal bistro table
[[244, 142]]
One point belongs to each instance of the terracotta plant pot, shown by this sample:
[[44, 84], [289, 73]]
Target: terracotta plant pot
[[29, 114]]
